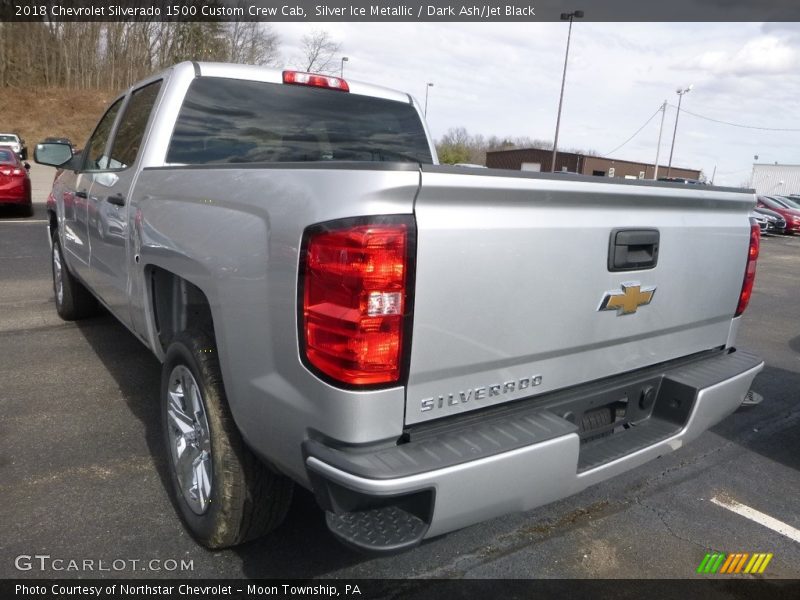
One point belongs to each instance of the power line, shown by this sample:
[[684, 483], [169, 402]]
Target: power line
[[699, 117], [634, 135], [734, 172], [735, 124]]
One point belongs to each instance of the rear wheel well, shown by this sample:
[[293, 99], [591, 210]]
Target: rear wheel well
[[178, 306]]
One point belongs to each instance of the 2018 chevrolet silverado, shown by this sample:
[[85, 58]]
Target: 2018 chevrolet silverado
[[424, 347]]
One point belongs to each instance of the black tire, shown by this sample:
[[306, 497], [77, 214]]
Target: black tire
[[75, 301], [246, 499], [27, 211]]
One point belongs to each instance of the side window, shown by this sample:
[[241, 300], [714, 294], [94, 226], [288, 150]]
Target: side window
[[131, 127], [96, 146]]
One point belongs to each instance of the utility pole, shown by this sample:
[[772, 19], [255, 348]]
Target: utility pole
[[578, 14], [427, 87], [660, 131], [680, 93]]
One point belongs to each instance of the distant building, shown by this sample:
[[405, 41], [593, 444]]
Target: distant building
[[778, 180], [535, 159]]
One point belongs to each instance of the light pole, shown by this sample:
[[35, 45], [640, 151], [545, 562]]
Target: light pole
[[341, 71], [427, 86], [660, 131], [578, 14], [680, 93]]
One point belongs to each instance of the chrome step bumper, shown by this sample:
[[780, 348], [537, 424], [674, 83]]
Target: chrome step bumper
[[518, 460]]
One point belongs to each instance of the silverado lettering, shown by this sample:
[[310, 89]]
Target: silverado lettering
[[496, 389]]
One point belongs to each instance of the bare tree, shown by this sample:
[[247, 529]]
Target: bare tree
[[253, 43], [96, 55], [319, 51], [457, 145]]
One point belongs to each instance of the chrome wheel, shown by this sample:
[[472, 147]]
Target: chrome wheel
[[189, 439], [58, 275]]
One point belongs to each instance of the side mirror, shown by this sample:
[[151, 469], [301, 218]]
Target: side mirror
[[27, 166], [52, 154]]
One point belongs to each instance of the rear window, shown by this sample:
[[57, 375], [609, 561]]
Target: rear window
[[773, 203], [234, 121]]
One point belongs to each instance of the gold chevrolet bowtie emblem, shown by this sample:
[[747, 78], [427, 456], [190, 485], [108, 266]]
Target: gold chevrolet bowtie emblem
[[626, 302]]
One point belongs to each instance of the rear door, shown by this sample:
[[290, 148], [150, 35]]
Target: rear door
[[515, 295]]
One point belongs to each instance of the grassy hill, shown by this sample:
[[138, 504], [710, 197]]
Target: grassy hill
[[36, 113]]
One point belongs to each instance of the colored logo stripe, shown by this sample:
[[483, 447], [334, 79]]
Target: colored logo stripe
[[711, 563], [704, 564], [758, 563], [737, 562], [719, 562], [727, 565]]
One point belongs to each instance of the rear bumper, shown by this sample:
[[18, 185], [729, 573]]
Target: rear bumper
[[477, 472], [15, 199], [17, 194], [15, 203]]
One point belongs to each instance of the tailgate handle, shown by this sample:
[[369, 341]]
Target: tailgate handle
[[633, 249]]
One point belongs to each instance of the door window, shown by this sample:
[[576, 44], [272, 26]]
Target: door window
[[130, 132], [96, 159]]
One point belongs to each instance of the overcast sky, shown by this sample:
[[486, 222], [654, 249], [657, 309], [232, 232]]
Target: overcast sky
[[504, 79]]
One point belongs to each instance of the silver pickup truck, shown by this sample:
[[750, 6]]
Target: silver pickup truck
[[424, 347]]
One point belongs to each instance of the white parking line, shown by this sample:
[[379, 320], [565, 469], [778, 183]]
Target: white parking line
[[759, 517]]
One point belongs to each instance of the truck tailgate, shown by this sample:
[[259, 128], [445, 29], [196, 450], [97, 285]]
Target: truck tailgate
[[512, 270]]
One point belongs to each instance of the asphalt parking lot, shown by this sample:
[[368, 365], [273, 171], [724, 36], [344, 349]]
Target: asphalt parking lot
[[82, 475]]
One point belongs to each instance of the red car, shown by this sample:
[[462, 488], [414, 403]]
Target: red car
[[15, 184], [791, 215]]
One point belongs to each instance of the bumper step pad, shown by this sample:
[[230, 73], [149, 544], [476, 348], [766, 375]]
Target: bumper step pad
[[676, 397], [386, 530], [605, 450]]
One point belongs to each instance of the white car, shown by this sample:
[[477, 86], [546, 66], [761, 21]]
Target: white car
[[763, 223], [16, 143]]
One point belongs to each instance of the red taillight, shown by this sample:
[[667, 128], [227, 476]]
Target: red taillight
[[750, 270], [355, 300], [314, 80], [14, 172]]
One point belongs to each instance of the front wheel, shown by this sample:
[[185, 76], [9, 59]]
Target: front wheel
[[73, 300], [224, 494]]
